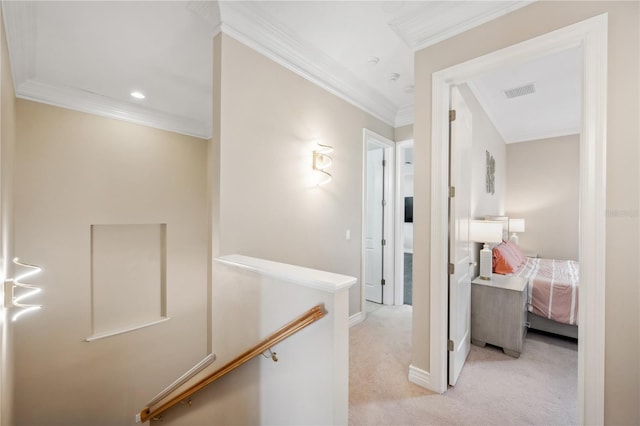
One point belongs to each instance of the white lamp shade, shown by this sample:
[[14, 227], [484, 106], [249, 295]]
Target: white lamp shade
[[484, 231], [516, 225]]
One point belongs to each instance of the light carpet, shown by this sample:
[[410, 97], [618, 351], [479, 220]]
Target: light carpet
[[539, 388]]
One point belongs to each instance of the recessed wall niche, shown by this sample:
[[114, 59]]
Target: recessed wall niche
[[128, 278]]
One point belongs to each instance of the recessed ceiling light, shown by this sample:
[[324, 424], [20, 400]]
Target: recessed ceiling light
[[137, 95], [394, 76], [373, 60]]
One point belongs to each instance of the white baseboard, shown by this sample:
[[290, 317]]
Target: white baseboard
[[419, 377], [356, 319]]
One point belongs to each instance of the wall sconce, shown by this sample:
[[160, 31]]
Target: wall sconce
[[515, 226], [483, 231], [321, 161], [16, 291]]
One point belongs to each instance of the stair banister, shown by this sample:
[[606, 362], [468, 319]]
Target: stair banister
[[309, 317]]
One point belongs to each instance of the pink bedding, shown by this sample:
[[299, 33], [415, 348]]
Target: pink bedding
[[553, 288]]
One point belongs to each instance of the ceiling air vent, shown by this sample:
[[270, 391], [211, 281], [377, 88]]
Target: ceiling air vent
[[527, 89]]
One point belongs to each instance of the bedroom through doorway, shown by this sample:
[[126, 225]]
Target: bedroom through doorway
[[591, 35], [535, 180]]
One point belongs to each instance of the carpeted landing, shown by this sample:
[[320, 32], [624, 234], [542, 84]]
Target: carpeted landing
[[539, 388]]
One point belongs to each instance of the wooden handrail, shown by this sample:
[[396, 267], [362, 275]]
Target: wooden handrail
[[309, 317]]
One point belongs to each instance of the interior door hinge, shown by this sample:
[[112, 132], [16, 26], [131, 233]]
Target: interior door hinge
[[384, 203], [452, 115], [384, 163], [382, 282], [452, 269], [450, 345], [384, 242], [452, 191]]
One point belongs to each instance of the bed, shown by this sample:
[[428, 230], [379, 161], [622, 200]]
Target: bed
[[552, 288]]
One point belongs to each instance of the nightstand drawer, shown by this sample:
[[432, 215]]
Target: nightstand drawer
[[499, 313]]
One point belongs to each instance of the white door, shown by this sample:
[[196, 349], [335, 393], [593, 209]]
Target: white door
[[374, 227], [459, 247]]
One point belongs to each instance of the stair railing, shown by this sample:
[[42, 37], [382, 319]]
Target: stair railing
[[309, 317]]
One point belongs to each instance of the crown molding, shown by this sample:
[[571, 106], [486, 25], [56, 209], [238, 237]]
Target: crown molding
[[404, 116], [92, 103], [250, 24], [544, 134], [20, 26], [209, 11], [255, 29], [445, 20]]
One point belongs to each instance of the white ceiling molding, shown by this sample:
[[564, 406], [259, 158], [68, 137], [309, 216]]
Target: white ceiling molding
[[92, 103], [21, 30], [207, 10], [20, 26], [242, 21], [404, 116], [279, 33], [528, 136], [442, 20]]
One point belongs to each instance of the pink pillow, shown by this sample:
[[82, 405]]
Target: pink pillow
[[517, 251], [505, 259]]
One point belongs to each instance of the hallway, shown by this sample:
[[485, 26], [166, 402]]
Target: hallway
[[539, 388]]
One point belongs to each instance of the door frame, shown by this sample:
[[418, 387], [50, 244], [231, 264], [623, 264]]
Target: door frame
[[591, 35], [370, 137], [399, 223]]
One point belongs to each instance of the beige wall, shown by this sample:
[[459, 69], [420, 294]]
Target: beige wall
[[7, 147], [403, 133], [74, 170], [270, 118], [622, 370], [261, 392], [542, 187], [485, 138]]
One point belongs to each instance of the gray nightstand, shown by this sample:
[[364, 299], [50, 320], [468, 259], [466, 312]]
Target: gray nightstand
[[499, 312]]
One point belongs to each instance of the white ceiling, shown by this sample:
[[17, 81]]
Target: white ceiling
[[89, 55], [554, 109]]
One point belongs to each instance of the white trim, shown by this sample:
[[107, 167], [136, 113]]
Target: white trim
[[20, 18], [592, 35], [369, 136], [180, 380], [20, 27], [404, 116], [106, 334], [413, 31], [592, 244], [545, 135], [419, 377], [312, 278], [356, 318], [93, 103], [257, 29]]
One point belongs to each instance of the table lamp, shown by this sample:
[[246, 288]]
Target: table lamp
[[487, 232], [515, 225]]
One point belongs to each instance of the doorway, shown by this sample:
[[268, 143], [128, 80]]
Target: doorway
[[404, 223], [378, 218], [591, 34]]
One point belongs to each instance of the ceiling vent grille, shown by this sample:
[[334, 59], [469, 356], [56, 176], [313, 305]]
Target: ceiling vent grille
[[527, 89]]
